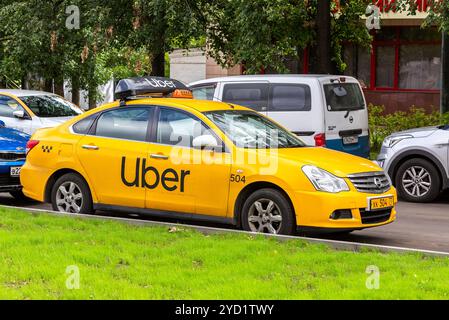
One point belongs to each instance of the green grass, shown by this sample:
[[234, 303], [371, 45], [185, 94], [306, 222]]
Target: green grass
[[122, 261]]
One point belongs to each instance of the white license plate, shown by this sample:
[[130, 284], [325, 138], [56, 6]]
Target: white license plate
[[15, 171], [350, 140]]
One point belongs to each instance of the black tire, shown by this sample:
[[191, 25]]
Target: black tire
[[19, 195], [431, 181], [85, 206], [281, 208]]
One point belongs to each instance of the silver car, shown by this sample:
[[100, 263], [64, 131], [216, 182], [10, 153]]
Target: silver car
[[417, 162]]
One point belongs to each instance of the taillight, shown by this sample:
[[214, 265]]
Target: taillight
[[31, 144], [320, 140]]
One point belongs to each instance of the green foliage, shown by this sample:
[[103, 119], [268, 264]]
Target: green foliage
[[124, 261], [382, 125], [438, 12]]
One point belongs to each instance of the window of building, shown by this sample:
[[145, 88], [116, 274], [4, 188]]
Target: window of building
[[402, 58]]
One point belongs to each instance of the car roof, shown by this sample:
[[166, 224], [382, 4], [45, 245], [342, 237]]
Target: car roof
[[187, 104], [23, 93], [261, 77]]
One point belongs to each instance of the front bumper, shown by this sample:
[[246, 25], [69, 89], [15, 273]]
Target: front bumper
[[318, 210], [8, 183]]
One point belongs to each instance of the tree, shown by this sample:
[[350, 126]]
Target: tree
[[262, 33]]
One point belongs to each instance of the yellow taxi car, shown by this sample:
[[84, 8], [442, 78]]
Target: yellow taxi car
[[191, 159]]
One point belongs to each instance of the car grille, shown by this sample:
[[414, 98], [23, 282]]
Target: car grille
[[373, 217], [11, 156], [370, 182], [6, 180]]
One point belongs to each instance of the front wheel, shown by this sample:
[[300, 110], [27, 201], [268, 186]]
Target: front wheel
[[71, 194], [268, 211], [417, 180]]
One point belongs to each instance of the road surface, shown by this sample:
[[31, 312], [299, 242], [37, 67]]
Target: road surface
[[419, 226]]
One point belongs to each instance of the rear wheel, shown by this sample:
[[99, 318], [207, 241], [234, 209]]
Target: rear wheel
[[417, 180], [71, 194], [268, 211]]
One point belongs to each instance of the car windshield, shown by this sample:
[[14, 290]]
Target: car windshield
[[344, 97], [50, 106], [250, 130]]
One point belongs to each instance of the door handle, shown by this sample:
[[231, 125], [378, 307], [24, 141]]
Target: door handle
[[90, 147], [158, 156]]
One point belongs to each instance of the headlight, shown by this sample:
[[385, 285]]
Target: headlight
[[325, 181], [391, 141]]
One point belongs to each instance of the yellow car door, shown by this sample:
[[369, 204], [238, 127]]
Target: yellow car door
[[184, 178], [114, 154]]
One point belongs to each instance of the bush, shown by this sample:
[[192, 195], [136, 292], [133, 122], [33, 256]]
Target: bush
[[382, 125]]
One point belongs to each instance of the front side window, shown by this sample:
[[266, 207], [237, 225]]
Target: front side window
[[204, 93], [50, 106], [251, 95], [344, 97], [8, 106], [127, 123], [177, 128], [252, 131], [290, 97]]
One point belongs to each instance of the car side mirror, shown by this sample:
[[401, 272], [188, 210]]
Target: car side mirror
[[2, 124], [205, 141], [20, 114]]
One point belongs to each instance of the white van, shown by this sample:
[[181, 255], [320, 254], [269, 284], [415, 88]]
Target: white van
[[323, 110]]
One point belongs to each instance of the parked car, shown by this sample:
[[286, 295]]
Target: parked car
[[12, 157], [417, 162], [191, 159], [27, 111], [323, 110]]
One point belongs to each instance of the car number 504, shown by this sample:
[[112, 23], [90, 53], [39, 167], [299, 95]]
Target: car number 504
[[238, 178]]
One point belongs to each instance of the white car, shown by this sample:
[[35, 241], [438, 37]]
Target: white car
[[27, 111]]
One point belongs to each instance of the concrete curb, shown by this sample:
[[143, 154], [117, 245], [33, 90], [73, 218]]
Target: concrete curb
[[335, 244]]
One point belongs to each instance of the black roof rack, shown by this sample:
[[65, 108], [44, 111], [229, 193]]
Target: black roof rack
[[132, 87]]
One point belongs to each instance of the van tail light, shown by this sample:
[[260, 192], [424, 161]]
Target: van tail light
[[320, 140], [31, 144]]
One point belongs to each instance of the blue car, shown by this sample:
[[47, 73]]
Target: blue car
[[12, 157]]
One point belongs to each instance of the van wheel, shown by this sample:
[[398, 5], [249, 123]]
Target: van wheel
[[268, 211], [417, 180], [71, 194]]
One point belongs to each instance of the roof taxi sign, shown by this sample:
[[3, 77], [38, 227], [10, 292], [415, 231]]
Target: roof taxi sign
[[132, 87]]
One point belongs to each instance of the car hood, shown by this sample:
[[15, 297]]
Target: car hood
[[53, 122], [338, 163], [417, 132], [12, 140]]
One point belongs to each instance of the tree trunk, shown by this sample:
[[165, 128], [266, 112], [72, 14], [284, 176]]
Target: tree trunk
[[59, 87], [445, 73], [48, 85], [158, 64], [76, 90], [323, 20], [92, 99]]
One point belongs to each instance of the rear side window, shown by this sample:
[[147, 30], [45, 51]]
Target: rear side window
[[204, 93], [290, 97], [83, 126], [251, 95], [126, 123]]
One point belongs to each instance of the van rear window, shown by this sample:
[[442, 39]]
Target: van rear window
[[344, 97]]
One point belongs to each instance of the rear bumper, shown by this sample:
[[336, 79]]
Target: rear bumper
[[361, 149]]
